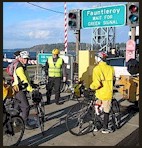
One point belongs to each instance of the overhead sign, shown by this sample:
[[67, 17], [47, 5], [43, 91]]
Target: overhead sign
[[130, 50], [107, 16], [42, 58]]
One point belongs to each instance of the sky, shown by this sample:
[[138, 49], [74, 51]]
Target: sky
[[25, 25]]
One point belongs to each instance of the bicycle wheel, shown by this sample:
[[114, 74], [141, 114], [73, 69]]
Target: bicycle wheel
[[79, 119], [115, 115], [76, 98], [13, 137], [113, 123], [41, 116], [73, 97]]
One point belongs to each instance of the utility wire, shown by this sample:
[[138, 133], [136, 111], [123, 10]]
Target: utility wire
[[45, 8]]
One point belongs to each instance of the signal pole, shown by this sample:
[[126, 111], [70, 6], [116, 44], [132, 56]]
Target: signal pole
[[133, 33], [77, 33]]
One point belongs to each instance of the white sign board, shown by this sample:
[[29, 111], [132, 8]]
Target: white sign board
[[120, 71]]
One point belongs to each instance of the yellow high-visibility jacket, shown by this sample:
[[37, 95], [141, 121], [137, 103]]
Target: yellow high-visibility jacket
[[55, 70], [22, 74], [102, 81]]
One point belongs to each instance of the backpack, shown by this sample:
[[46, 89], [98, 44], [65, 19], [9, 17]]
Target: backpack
[[133, 66], [11, 67]]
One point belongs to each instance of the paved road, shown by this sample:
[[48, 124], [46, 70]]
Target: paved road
[[56, 133]]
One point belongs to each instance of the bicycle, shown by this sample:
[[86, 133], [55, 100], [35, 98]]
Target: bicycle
[[13, 124], [77, 91], [38, 105], [82, 117], [43, 82]]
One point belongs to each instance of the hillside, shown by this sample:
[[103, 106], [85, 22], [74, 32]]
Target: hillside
[[50, 47], [71, 47]]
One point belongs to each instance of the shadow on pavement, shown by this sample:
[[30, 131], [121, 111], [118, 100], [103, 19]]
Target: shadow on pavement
[[57, 129], [130, 140], [127, 112]]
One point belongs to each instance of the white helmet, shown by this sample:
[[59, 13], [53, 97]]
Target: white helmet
[[24, 54], [101, 56]]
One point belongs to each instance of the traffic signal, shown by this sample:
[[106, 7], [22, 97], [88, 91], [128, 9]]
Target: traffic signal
[[133, 14], [74, 19]]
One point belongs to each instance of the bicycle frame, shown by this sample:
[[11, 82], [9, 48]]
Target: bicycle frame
[[89, 114]]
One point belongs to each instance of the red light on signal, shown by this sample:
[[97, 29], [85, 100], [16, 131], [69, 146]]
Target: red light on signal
[[72, 15], [133, 8]]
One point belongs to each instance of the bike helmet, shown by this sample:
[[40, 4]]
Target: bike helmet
[[17, 54], [100, 56], [55, 51], [24, 54]]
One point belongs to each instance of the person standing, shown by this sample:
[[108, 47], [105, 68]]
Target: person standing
[[103, 78], [21, 74], [55, 70]]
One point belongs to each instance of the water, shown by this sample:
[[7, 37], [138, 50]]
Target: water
[[10, 55], [112, 61]]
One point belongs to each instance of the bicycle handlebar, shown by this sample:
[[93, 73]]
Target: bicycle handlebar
[[22, 85], [38, 85]]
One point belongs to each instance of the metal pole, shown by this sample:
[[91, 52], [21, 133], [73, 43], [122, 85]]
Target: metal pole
[[77, 32], [37, 67], [71, 71], [66, 27], [133, 33]]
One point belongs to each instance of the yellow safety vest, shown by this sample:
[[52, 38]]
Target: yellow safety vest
[[55, 70]]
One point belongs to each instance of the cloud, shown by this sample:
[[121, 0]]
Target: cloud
[[50, 5], [45, 5], [34, 32], [33, 26], [39, 34], [87, 5]]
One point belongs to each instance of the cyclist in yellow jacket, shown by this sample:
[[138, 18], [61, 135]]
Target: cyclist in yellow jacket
[[103, 76], [55, 70], [21, 74]]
